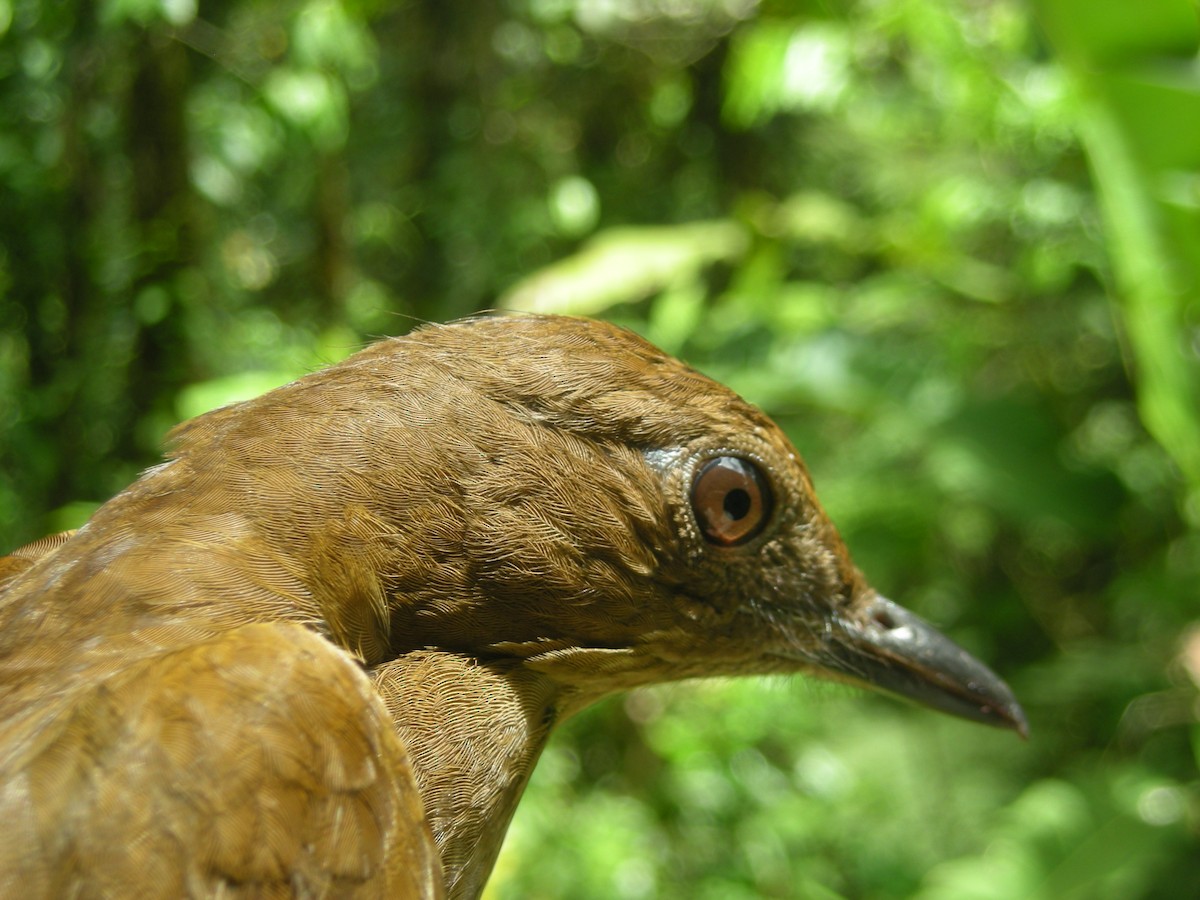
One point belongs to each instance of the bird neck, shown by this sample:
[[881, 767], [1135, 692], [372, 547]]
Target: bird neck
[[474, 731]]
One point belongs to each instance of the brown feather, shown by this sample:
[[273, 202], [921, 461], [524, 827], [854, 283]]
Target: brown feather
[[318, 651]]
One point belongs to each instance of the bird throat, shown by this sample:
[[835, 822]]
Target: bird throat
[[474, 730]]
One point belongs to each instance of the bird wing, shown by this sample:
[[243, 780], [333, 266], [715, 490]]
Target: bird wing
[[258, 763], [22, 558]]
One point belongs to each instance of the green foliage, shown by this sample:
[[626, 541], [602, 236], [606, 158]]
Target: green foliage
[[953, 249], [1142, 133]]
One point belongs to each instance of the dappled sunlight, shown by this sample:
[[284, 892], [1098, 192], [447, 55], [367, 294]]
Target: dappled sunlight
[[953, 248]]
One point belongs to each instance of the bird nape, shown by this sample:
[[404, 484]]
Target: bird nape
[[318, 651]]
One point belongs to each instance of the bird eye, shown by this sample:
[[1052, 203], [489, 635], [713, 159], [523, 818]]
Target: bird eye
[[731, 500]]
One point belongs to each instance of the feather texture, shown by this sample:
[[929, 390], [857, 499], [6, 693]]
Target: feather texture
[[317, 652]]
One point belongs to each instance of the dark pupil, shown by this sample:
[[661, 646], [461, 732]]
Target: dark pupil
[[737, 504]]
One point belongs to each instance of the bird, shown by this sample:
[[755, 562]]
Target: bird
[[317, 651]]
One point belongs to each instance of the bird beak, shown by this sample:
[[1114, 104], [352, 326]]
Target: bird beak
[[890, 649]]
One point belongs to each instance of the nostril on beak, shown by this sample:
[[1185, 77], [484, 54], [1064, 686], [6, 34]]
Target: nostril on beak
[[891, 625], [884, 619]]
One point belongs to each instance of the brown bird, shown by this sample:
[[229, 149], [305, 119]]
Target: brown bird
[[317, 652]]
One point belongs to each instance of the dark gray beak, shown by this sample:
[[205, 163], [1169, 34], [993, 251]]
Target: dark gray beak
[[892, 650]]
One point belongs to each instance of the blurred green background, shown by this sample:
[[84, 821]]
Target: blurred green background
[[953, 246]]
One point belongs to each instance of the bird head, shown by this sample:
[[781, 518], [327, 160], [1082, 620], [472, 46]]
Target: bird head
[[559, 492]]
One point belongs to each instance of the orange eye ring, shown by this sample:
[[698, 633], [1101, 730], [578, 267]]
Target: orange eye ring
[[731, 500]]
